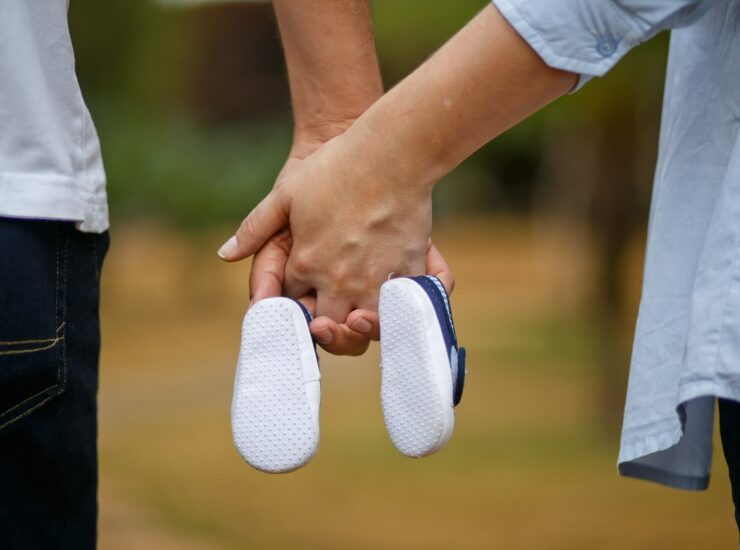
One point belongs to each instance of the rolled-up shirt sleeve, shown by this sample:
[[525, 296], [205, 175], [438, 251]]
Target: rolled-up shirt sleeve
[[589, 37]]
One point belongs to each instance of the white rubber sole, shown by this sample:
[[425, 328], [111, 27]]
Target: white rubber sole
[[416, 383], [275, 408]]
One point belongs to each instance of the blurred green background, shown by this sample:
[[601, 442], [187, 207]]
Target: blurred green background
[[544, 228]]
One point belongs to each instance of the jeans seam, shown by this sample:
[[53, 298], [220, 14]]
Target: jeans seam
[[26, 400], [60, 285], [24, 351], [56, 280], [30, 410], [34, 341], [95, 259]]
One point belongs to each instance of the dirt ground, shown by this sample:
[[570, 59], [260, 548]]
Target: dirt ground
[[529, 465]]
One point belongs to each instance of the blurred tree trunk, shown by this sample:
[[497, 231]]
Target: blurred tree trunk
[[617, 215], [598, 171], [235, 69]]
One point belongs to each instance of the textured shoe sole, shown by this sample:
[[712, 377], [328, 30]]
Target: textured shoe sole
[[274, 411], [416, 384]]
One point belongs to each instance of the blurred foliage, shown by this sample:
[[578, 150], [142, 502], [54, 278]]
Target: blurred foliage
[[135, 62], [158, 83]]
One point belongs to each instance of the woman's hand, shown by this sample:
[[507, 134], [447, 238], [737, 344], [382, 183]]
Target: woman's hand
[[353, 220], [349, 338]]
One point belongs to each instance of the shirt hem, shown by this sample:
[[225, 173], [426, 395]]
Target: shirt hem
[[665, 434], [656, 475], [53, 197]]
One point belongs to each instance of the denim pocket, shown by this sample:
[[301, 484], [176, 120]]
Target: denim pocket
[[33, 284]]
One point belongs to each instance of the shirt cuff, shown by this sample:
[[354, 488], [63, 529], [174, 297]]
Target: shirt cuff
[[584, 37]]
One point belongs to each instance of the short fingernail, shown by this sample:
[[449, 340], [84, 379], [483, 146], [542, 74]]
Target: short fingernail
[[362, 325], [323, 336], [228, 248]]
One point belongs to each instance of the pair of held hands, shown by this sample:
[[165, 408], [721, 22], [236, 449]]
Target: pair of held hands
[[353, 202], [340, 218]]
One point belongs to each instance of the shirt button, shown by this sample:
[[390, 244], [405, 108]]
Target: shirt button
[[606, 46]]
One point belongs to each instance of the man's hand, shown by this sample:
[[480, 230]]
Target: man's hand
[[334, 77], [349, 338], [268, 276], [354, 221]]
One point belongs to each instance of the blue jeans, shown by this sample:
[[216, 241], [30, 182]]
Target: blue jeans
[[49, 345], [729, 429]]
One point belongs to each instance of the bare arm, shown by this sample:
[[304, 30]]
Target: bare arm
[[334, 77], [479, 84], [332, 66]]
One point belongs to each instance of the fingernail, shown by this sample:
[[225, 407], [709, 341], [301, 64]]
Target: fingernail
[[362, 325], [228, 248], [323, 336]]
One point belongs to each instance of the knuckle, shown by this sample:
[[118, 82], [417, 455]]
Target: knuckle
[[340, 276], [247, 229], [283, 239], [301, 264]]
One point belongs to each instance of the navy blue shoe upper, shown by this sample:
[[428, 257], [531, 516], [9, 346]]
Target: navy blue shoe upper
[[306, 313], [309, 318], [438, 295]]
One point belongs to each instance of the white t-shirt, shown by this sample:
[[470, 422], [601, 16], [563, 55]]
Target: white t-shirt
[[50, 161]]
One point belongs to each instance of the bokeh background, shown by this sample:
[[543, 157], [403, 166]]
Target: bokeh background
[[544, 228]]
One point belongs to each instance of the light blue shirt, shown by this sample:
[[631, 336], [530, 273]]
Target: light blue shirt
[[687, 340]]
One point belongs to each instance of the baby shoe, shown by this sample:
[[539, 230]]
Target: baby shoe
[[422, 368], [275, 407]]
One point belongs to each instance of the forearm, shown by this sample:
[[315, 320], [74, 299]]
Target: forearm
[[481, 82], [332, 65]]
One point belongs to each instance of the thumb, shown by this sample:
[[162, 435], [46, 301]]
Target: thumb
[[267, 218], [437, 266]]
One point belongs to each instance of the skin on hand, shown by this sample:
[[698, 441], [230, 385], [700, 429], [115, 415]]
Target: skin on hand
[[361, 326], [267, 276], [352, 224], [352, 337], [334, 77]]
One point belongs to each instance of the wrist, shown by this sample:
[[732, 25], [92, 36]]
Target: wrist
[[332, 66], [309, 135], [323, 116], [403, 146], [394, 170]]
